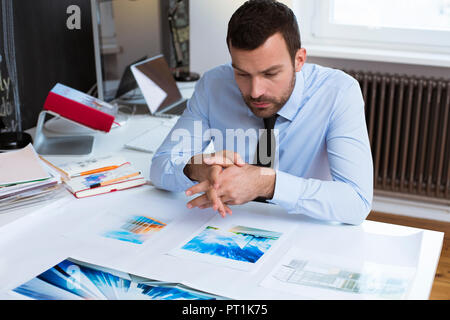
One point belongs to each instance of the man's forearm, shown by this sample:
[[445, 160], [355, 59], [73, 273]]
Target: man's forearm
[[325, 200]]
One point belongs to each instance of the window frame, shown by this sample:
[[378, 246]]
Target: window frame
[[325, 39]]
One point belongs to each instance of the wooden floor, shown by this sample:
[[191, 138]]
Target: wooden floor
[[441, 284]]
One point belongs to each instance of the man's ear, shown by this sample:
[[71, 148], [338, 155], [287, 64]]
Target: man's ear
[[300, 59]]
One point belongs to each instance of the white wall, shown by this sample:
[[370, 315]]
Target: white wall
[[208, 32], [138, 30]]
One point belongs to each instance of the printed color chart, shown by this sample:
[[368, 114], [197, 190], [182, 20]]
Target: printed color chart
[[136, 229]]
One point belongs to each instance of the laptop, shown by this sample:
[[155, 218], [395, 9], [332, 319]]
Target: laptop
[[127, 82], [158, 86]]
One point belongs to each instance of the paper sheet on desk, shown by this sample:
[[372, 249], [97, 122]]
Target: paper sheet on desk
[[133, 225], [21, 166], [72, 279], [117, 228], [324, 276], [375, 262], [238, 242]]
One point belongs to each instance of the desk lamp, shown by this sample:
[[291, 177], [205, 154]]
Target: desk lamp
[[78, 108]]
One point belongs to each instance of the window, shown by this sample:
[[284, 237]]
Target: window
[[404, 14], [420, 27]]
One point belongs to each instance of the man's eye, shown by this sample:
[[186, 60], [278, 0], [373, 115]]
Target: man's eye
[[242, 75], [270, 74]]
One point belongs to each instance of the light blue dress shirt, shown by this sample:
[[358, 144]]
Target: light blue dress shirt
[[324, 164]]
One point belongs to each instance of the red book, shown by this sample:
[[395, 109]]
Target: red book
[[80, 107]]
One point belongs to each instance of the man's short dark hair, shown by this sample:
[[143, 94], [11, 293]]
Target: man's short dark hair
[[257, 20]]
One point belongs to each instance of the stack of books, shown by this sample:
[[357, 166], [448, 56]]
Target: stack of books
[[100, 175], [26, 180]]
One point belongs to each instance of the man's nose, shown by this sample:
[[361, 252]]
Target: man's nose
[[258, 88]]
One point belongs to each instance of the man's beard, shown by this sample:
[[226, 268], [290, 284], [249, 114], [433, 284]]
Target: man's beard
[[276, 103]]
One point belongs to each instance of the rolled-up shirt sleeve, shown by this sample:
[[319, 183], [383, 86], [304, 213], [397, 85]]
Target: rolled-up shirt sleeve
[[348, 196], [187, 138]]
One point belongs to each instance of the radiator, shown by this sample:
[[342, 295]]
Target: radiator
[[408, 125]]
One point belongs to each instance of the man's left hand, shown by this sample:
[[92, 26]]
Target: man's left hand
[[237, 185]]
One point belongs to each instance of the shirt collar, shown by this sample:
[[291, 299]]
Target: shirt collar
[[291, 107]]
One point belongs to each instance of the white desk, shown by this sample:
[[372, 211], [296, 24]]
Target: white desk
[[28, 246]]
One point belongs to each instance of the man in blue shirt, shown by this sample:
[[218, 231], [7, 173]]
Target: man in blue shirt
[[319, 156]]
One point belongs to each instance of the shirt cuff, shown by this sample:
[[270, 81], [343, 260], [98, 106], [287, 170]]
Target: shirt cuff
[[182, 179], [288, 189]]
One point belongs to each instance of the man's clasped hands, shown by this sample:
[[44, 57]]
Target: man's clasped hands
[[225, 179]]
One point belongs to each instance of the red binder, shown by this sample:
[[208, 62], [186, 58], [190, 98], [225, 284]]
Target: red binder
[[80, 107]]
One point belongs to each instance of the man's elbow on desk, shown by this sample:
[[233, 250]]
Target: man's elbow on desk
[[323, 200], [361, 210], [357, 210], [169, 176], [362, 201], [354, 213]]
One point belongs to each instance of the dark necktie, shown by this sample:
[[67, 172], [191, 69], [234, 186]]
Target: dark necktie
[[266, 158]]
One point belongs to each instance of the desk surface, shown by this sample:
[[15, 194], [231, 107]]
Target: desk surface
[[30, 241]]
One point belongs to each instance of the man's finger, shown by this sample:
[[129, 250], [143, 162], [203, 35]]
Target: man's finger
[[207, 200], [225, 203], [226, 200], [214, 199], [225, 158], [198, 188], [219, 160], [217, 203], [227, 209], [214, 176], [199, 201], [211, 198], [238, 160]]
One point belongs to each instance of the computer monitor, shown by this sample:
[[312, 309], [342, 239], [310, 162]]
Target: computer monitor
[[35, 58], [97, 47]]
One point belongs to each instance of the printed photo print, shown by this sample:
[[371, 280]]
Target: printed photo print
[[238, 243], [76, 280], [136, 229]]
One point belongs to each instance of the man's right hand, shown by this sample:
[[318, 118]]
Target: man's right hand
[[205, 168]]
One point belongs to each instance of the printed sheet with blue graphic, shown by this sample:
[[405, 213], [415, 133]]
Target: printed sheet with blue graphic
[[238, 241], [76, 280]]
